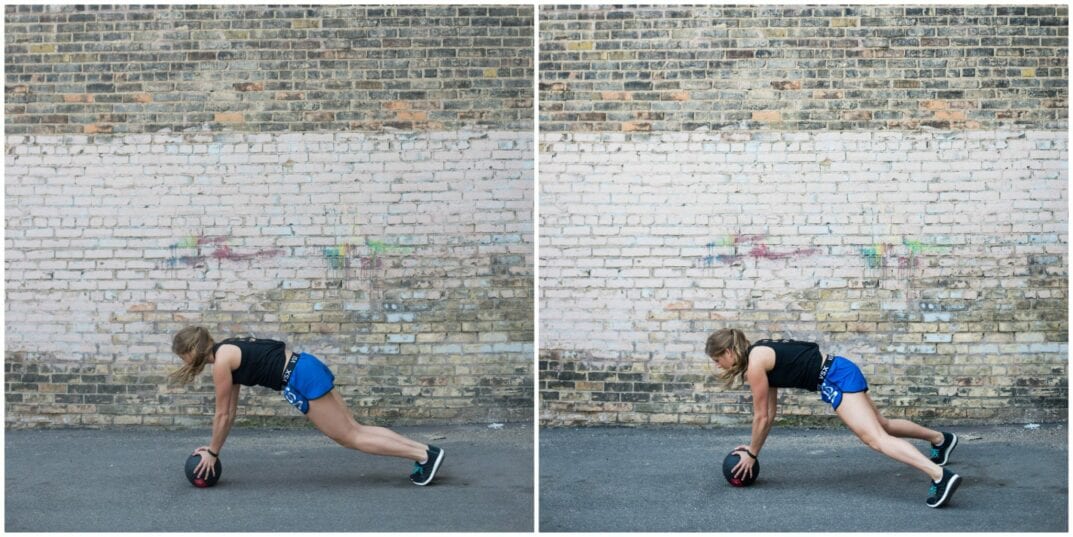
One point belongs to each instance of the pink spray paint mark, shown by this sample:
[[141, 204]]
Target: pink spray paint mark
[[760, 250], [222, 252]]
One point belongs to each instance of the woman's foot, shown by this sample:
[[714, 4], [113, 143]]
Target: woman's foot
[[424, 472], [940, 454], [941, 491]]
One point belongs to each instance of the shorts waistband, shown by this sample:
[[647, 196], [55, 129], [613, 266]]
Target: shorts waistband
[[290, 367], [825, 368]]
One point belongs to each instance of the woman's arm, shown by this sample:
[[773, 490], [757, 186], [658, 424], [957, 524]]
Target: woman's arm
[[772, 402], [234, 401], [227, 359], [761, 360], [226, 400], [763, 406]]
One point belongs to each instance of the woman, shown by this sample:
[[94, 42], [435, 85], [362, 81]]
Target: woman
[[305, 382], [771, 364]]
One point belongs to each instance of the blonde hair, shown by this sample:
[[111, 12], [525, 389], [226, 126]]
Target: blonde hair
[[734, 339], [198, 340]]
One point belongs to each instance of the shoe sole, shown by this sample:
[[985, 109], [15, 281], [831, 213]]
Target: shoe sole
[[955, 482], [946, 459], [432, 474]]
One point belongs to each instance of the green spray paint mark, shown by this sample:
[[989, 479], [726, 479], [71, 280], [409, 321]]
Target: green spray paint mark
[[873, 255], [917, 247], [378, 247], [188, 242], [876, 255], [734, 240], [337, 256]]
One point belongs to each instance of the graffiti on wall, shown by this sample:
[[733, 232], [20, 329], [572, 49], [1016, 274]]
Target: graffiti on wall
[[365, 257], [748, 247], [196, 250], [340, 257], [732, 249], [904, 256]]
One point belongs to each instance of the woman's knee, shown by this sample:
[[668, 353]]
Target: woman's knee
[[358, 438], [875, 439], [884, 423], [343, 438], [868, 438]]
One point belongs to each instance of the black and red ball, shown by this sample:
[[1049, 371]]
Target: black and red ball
[[728, 471], [209, 479]]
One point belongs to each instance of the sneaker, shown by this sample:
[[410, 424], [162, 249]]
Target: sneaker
[[941, 492], [423, 473], [941, 454]]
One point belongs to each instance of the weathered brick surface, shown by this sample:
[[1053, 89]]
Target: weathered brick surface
[[135, 69], [403, 259], [887, 180], [937, 260], [684, 68]]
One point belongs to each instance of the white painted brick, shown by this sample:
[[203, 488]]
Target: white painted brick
[[99, 225]]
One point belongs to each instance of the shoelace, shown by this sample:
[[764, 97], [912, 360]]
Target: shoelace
[[418, 469], [934, 488], [934, 452]]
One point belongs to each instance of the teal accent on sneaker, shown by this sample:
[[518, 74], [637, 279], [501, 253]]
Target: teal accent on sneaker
[[940, 454], [939, 494], [424, 473]]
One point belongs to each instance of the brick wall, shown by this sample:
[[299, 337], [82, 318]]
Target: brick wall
[[131, 69], [930, 250], [673, 68], [398, 250]]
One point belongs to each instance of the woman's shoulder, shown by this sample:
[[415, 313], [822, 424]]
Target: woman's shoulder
[[238, 340], [228, 346], [251, 340], [227, 342], [772, 342], [762, 355], [228, 354], [766, 342]]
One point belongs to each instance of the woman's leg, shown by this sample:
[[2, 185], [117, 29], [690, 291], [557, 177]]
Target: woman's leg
[[906, 429], [379, 431], [331, 416], [858, 413]]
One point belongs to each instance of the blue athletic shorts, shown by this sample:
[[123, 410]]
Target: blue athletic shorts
[[843, 377], [310, 380]]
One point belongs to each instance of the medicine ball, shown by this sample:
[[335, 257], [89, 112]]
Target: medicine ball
[[728, 471], [201, 482]]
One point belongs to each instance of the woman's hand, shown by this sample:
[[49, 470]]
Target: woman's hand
[[207, 465], [745, 463]]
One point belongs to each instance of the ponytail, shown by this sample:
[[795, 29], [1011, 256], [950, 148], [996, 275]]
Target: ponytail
[[197, 340], [735, 340]]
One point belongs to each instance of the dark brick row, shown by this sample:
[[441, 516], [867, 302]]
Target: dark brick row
[[131, 69], [653, 69]]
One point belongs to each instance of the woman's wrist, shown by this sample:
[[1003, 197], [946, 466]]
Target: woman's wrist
[[217, 455], [749, 453]]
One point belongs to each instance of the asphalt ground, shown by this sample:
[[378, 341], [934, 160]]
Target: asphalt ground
[[292, 480], [811, 480]]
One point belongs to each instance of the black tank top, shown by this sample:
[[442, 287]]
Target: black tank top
[[797, 363], [262, 362]]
